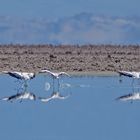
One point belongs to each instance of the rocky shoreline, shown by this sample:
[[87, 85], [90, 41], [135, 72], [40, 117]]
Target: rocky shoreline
[[86, 58]]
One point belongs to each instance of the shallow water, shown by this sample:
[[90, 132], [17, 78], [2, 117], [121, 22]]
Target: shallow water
[[91, 111]]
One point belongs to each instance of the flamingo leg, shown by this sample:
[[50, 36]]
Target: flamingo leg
[[120, 80], [138, 84], [21, 101], [132, 83], [25, 84], [58, 83], [53, 84]]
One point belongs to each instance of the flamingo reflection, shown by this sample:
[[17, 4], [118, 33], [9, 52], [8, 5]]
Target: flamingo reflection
[[55, 95], [129, 97], [23, 95]]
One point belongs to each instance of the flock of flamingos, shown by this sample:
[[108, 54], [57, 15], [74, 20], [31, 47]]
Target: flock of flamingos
[[25, 76]]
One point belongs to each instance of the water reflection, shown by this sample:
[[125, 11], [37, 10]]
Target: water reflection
[[47, 86], [134, 95], [23, 92], [89, 112], [55, 91], [129, 97], [20, 95], [54, 95]]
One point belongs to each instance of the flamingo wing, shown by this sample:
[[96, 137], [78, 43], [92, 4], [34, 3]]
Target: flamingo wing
[[126, 73], [64, 73], [47, 71]]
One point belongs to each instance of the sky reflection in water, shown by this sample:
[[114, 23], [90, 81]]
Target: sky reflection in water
[[91, 112]]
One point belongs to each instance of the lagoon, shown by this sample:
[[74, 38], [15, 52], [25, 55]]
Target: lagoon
[[91, 111]]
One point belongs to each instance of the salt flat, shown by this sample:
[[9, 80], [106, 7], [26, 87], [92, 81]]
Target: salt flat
[[90, 59]]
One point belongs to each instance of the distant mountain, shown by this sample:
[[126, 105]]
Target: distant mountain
[[84, 28]]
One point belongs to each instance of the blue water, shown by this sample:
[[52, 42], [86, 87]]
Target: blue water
[[91, 112]]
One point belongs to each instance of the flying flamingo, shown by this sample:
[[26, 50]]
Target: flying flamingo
[[25, 76], [55, 75], [133, 74]]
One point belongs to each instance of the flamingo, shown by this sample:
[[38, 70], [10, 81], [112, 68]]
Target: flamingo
[[20, 75], [130, 74], [133, 74], [131, 96], [55, 75]]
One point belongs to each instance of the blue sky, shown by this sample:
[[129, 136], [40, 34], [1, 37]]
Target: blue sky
[[70, 22], [62, 8]]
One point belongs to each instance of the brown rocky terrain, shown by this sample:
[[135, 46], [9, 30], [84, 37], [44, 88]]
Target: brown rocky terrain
[[86, 58]]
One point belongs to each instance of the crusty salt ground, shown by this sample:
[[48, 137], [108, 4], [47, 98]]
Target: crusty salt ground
[[74, 59]]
